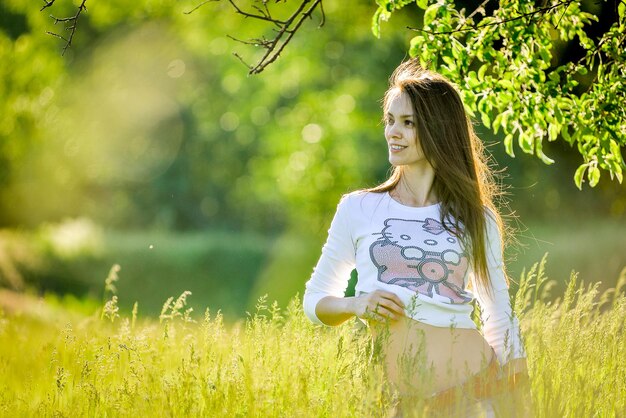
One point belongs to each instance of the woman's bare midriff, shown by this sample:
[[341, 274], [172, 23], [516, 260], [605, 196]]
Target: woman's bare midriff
[[424, 359]]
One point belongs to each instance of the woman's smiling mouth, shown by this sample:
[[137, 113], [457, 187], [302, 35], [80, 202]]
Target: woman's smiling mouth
[[396, 148]]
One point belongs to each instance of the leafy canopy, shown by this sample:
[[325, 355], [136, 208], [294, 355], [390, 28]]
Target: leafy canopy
[[504, 61]]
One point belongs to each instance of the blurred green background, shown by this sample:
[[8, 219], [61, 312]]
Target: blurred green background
[[148, 145]]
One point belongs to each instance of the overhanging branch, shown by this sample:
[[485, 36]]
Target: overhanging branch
[[70, 22], [284, 29], [469, 28]]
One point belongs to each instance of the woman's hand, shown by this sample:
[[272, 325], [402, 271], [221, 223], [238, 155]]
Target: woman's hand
[[379, 305], [515, 373], [517, 383]]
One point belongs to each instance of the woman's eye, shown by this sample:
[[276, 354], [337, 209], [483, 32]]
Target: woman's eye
[[388, 121], [408, 123]]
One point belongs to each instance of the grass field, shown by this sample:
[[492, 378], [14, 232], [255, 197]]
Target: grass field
[[56, 362]]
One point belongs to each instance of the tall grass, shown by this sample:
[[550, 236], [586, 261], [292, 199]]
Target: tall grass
[[276, 363]]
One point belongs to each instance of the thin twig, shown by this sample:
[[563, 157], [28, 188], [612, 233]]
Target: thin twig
[[48, 4], [71, 27], [560, 18], [254, 41], [323, 19], [260, 17], [242, 61], [56, 35], [499, 22], [199, 6], [283, 29], [479, 9], [274, 52]]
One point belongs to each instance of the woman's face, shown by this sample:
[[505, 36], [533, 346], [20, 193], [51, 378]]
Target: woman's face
[[401, 133]]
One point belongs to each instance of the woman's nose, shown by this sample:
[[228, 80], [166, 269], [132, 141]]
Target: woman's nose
[[393, 131]]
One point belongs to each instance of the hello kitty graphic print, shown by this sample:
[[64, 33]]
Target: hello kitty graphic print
[[421, 256]]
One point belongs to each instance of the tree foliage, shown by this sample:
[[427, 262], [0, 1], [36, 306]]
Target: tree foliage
[[503, 60]]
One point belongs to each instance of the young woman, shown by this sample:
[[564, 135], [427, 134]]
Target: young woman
[[425, 244]]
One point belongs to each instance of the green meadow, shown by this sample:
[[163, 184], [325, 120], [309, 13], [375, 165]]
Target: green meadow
[[58, 361]]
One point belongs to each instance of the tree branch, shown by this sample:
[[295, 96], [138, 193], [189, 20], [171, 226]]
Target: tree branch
[[71, 27], [197, 7], [276, 46], [284, 29], [469, 28], [48, 4]]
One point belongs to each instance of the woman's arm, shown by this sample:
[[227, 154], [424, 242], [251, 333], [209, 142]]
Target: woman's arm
[[501, 328], [500, 325], [331, 274], [334, 311], [378, 305]]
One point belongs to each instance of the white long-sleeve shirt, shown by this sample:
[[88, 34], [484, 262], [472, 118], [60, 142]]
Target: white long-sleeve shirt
[[406, 250]]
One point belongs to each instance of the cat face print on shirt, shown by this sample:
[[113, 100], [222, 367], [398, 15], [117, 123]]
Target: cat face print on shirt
[[421, 256]]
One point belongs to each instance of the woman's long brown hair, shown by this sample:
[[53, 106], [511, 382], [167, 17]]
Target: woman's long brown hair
[[463, 183]]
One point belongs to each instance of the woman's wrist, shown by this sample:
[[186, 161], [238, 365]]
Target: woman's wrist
[[350, 305], [332, 310]]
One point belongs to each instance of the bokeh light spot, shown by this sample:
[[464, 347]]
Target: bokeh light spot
[[298, 161], [245, 135], [312, 133], [260, 115], [345, 103], [334, 50], [218, 46], [231, 83], [176, 68], [229, 121], [46, 95]]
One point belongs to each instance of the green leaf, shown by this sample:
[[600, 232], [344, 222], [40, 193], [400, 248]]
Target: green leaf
[[505, 84], [431, 13], [578, 176], [472, 80], [553, 131], [484, 117], [566, 136], [481, 72], [618, 174], [615, 150], [451, 63], [526, 143], [497, 122], [508, 145], [558, 115], [380, 15], [417, 43], [545, 54], [593, 175], [458, 51], [505, 119], [554, 76], [539, 151], [422, 4]]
